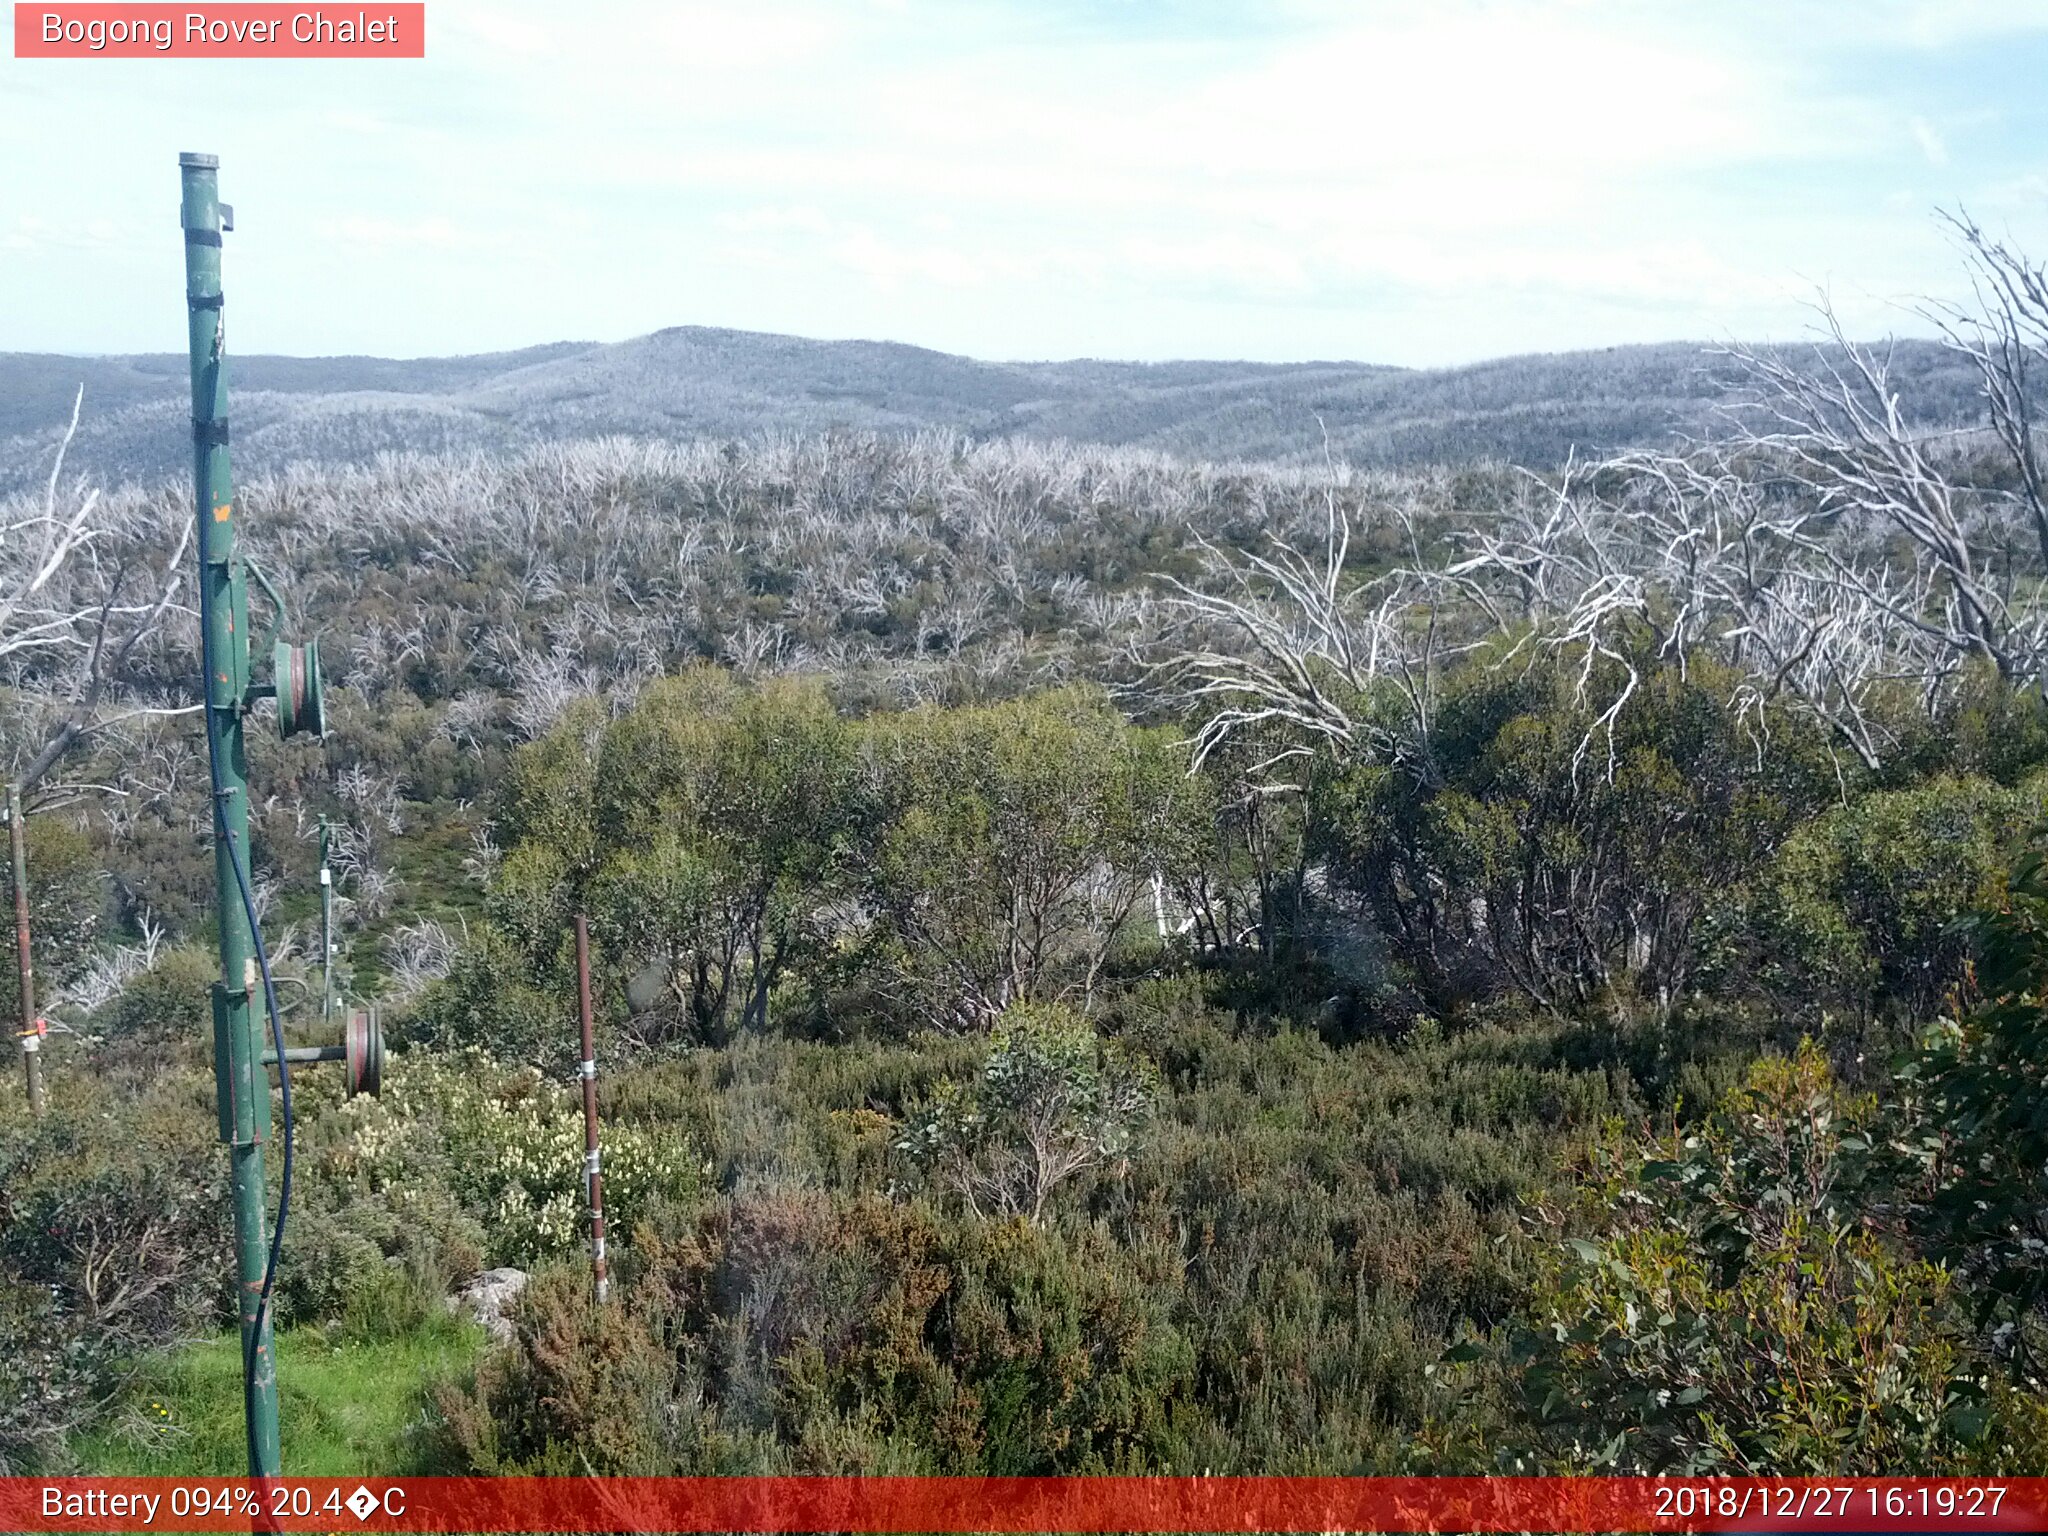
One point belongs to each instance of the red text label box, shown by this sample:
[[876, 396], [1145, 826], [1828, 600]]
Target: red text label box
[[240, 31]]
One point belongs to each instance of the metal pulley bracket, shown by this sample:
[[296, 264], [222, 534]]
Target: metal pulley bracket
[[361, 1052], [301, 695], [295, 680], [363, 1044]]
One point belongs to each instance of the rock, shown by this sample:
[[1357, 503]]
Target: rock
[[488, 1297]]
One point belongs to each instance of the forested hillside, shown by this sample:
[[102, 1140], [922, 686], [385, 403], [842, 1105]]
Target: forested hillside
[[1104, 961], [692, 382]]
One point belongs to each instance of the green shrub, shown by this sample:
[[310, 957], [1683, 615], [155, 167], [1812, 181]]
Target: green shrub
[[363, 1254], [171, 1002], [54, 1366], [113, 1225], [1541, 851], [1051, 1100], [490, 1002], [67, 894], [1863, 906], [1298, 1234], [791, 1330], [1729, 1301], [1973, 1118], [585, 1390]]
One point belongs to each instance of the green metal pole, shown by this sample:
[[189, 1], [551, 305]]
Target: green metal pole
[[243, 1085]]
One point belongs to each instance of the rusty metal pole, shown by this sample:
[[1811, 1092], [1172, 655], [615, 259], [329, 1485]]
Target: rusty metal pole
[[593, 1177], [31, 1037]]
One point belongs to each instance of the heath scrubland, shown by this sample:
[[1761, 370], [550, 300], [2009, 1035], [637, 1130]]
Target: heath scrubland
[[1104, 962]]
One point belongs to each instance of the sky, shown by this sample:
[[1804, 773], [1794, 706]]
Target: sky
[[1419, 182]]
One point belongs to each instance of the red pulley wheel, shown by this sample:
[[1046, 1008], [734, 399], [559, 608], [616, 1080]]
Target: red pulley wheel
[[364, 1043]]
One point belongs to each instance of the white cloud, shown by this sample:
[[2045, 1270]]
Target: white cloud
[[362, 231], [1945, 23], [1445, 177], [1929, 140], [494, 30], [33, 232]]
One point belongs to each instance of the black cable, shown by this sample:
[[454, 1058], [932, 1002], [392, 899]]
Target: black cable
[[284, 1071], [284, 1193]]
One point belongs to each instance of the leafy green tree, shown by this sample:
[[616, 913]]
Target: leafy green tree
[[1017, 838], [1543, 852], [1865, 904], [705, 832], [725, 825], [546, 814]]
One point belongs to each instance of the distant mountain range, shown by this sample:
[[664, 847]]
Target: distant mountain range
[[692, 381]]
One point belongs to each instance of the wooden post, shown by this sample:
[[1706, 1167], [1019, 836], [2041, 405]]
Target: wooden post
[[31, 1034], [593, 1177]]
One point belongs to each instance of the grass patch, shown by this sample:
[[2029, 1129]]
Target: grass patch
[[346, 1406]]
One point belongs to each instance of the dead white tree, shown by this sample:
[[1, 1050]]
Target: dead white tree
[[418, 954], [2005, 334], [74, 611], [1825, 545], [1279, 645], [1654, 557], [1838, 431]]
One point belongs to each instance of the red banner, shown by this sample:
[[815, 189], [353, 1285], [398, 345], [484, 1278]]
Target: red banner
[[102, 31], [1049, 1504]]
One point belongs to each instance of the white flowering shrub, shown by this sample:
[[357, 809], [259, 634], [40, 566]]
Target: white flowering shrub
[[509, 1143]]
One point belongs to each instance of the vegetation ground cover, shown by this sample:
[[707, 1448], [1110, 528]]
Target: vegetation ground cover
[[1103, 964]]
